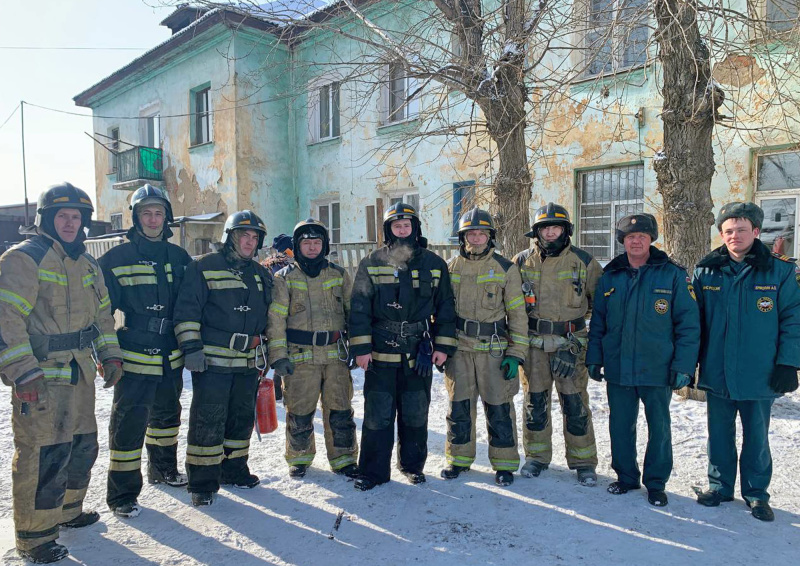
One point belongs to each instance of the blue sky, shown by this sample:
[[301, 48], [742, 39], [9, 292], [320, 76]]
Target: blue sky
[[56, 147]]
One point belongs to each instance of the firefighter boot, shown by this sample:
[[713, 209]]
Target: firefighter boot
[[451, 472], [45, 553]]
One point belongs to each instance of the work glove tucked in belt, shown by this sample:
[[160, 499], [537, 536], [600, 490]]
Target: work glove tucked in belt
[[562, 363], [31, 389], [196, 361], [283, 366]]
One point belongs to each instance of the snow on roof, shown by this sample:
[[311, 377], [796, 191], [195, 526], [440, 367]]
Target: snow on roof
[[295, 9]]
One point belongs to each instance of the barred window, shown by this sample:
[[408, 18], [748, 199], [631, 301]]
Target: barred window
[[606, 195]]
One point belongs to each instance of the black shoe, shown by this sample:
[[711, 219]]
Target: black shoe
[[128, 510], [350, 470], [298, 471], [451, 472], [657, 497], [172, 478], [245, 481], [364, 484], [712, 498], [532, 468], [587, 477], [45, 553], [202, 498], [415, 477], [503, 478], [761, 510], [618, 487], [83, 520]]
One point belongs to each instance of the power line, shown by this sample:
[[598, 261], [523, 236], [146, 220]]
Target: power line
[[11, 115], [35, 48]]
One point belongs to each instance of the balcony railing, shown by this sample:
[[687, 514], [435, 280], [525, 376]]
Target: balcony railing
[[139, 162]]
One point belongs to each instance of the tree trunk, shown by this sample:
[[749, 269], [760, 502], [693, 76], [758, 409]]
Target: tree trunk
[[685, 166], [512, 192]]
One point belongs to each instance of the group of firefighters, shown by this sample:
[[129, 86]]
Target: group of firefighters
[[489, 323]]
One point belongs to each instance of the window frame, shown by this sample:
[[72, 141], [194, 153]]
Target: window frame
[[458, 202], [334, 233], [618, 41], [581, 232], [763, 9], [201, 121], [114, 145], [409, 107], [116, 216], [401, 196], [793, 192]]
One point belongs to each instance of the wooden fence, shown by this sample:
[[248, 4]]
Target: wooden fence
[[348, 255]]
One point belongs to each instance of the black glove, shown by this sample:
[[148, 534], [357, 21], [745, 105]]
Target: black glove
[[562, 364], [276, 379], [783, 379], [283, 366], [424, 364], [196, 361], [594, 372]]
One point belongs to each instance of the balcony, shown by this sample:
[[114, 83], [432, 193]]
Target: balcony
[[137, 166]]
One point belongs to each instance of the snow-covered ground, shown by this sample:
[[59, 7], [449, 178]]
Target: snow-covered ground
[[546, 520]]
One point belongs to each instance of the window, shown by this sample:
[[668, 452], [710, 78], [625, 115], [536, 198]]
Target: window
[[408, 198], [151, 131], [328, 214], [397, 104], [463, 197], [202, 246], [372, 231], [116, 222], [606, 195], [200, 102], [113, 134], [326, 112], [617, 35], [777, 192], [782, 15]]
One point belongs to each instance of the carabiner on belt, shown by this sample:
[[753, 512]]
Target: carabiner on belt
[[342, 351], [495, 340], [261, 355]]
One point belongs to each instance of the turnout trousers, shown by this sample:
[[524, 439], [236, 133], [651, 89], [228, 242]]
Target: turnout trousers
[[394, 393], [147, 411], [537, 431], [55, 443], [755, 461], [623, 406], [467, 376], [302, 391], [220, 424]]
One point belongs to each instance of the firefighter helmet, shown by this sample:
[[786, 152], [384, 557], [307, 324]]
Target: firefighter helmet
[[550, 214], [65, 195], [310, 229], [476, 219], [148, 194], [244, 220], [400, 211]]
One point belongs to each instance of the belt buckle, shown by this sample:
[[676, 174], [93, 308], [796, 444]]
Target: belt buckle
[[161, 325], [239, 336], [547, 321], [314, 338], [81, 334], [467, 323], [403, 325]]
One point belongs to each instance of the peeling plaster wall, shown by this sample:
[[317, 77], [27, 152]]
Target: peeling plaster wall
[[199, 179]]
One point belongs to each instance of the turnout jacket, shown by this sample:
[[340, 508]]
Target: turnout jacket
[[45, 292], [645, 322], [218, 300], [750, 321], [143, 278], [488, 289], [401, 285], [563, 285], [310, 304]]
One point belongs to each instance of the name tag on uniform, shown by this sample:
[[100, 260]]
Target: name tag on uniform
[[663, 291], [765, 287], [711, 288]]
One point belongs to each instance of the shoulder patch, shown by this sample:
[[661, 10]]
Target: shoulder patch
[[504, 263], [584, 256], [785, 258], [36, 248]]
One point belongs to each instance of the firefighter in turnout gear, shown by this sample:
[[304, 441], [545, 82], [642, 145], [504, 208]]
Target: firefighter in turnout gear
[[220, 322], [402, 322], [492, 332], [308, 349], [143, 277], [559, 281], [645, 333], [55, 312]]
